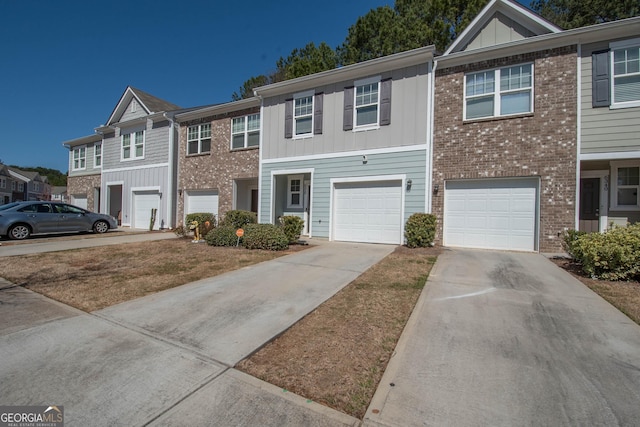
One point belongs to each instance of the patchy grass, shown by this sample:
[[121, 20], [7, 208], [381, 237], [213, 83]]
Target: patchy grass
[[95, 278], [337, 354], [624, 295]]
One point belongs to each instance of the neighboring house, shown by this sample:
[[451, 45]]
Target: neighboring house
[[59, 194], [6, 180], [218, 158], [347, 149], [136, 159], [507, 130], [85, 168], [29, 185]]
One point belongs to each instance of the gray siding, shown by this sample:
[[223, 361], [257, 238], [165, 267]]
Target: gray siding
[[411, 163], [156, 147], [408, 120], [128, 115], [90, 163], [500, 29], [603, 129]]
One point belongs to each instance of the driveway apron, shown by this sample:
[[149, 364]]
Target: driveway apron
[[166, 359], [510, 339]]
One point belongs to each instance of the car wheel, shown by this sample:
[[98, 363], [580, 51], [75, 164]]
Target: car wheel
[[19, 232], [100, 227]]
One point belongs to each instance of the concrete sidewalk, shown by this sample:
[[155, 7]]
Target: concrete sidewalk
[[510, 339], [167, 359]]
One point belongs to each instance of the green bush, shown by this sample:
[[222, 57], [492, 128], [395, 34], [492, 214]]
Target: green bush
[[206, 221], [239, 218], [613, 255], [224, 235], [265, 236], [569, 240], [292, 226], [420, 230]]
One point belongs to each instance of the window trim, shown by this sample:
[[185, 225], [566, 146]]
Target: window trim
[[83, 158], [245, 132], [290, 193], [97, 156], [199, 139], [497, 93], [306, 94], [614, 186], [363, 82], [132, 145], [613, 46]]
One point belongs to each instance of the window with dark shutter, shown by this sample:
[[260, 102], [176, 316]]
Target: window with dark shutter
[[601, 84], [288, 118], [347, 117], [317, 114], [385, 102]]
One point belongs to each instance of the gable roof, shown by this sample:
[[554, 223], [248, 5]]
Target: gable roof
[[532, 23], [151, 104]]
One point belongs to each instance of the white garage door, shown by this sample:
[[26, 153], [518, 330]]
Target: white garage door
[[143, 203], [201, 201], [491, 214], [368, 212], [79, 201]]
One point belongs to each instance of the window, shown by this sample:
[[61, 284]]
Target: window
[[13, 186], [199, 139], [245, 131], [626, 73], [133, 145], [626, 181], [79, 158], [303, 115], [21, 187], [294, 191], [36, 187], [97, 156], [501, 92], [366, 104], [3, 182]]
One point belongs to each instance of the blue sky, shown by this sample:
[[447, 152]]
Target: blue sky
[[65, 63]]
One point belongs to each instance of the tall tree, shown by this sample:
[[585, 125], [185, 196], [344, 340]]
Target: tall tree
[[308, 60], [569, 14], [246, 90]]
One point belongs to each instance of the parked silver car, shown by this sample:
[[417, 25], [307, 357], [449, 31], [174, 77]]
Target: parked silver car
[[19, 220]]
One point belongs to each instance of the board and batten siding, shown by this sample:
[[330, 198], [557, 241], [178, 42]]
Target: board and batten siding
[[603, 129], [410, 163], [409, 95]]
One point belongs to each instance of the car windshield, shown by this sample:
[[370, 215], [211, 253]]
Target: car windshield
[[8, 206]]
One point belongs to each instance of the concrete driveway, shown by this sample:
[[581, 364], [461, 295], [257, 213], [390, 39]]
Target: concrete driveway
[[167, 359], [509, 339]]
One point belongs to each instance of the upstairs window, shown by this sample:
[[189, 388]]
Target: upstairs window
[[97, 156], [366, 104], [133, 145], [3, 182], [199, 139], [626, 73], [245, 131], [79, 158], [36, 187], [303, 114], [502, 92], [21, 187], [13, 186]]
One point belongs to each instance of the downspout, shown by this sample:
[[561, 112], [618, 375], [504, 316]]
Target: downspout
[[578, 136], [103, 191], [170, 175], [430, 121], [260, 145]]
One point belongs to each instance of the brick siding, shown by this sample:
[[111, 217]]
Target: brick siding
[[86, 185], [541, 144]]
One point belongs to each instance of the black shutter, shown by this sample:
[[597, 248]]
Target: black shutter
[[317, 113], [347, 117], [288, 118], [601, 79], [385, 102]]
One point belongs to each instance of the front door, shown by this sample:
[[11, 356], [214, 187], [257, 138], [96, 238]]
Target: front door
[[589, 204]]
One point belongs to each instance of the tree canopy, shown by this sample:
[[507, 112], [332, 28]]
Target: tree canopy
[[570, 14], [54, 176]]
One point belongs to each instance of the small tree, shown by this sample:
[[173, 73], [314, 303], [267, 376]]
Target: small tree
[[420, 230], [292, 226]]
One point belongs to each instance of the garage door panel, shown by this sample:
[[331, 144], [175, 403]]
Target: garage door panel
[[143, 203], [368, 212], [491, 214]]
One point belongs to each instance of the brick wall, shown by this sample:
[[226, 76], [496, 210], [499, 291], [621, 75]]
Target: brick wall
[[217, 169], [86, 185], [541, 144]]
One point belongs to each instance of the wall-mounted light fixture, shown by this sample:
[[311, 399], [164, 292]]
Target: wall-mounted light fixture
[[436, 188], [161, 195], [179, 191], [364, 159], [409, 184]]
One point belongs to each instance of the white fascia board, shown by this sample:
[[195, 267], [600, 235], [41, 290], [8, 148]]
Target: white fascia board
[[83, 140], [213, 110], [349, 72]]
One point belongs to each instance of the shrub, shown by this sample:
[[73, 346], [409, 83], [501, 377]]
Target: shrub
[[224, 235], [569, 240], [180, 231], [265, 236], [420, 230], [239, 218], [292, 226], [613, 255], [206, 221]]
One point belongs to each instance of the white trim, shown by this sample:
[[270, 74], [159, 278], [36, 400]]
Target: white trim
[[614, 185], [281, 172], [260, 163], [300, 95], [132, 145], [73, 159], [603, 217], [368, 126], [300, 192], [156, 165], [373, 178], [635, 42], [360, 153], [618, 155], [576, 214]]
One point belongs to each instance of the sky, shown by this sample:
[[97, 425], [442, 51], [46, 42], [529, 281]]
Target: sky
[[64, 64]]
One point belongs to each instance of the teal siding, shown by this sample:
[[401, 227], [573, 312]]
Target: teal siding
[[411, 163]]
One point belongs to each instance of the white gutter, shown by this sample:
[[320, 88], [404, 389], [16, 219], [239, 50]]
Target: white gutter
[[260, 145], [430, 123], [579, 135], [170, 175]]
